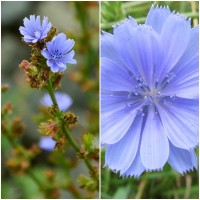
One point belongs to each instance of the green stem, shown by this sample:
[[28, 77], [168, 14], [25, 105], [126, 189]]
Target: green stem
[[70, 139], [66, 132], [51, 93]]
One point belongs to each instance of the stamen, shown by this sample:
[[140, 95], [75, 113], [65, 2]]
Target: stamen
[[169, 76], [168, 99]]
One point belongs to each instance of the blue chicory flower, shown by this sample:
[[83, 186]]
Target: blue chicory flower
[[149, 94], [64, 100], [47, 143], [58, 53], [33, 31]]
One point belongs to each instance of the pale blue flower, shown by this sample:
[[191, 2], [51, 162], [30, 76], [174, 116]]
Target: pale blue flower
[[47, 143], [59, 52], [149, 94], [64, 100], [33, 31]]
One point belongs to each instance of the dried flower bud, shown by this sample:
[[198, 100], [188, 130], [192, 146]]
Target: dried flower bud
[[49, 128], [60, 143], [70, 118], [24, 65], [17, 127], [57, 80]]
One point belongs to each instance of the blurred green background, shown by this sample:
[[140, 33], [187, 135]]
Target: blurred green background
[[166, 184], [80, 21]]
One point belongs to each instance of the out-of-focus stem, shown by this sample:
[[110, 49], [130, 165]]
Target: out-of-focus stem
[[188, 180], [107, 180], [194, 10], [51, 93], [141, 189]]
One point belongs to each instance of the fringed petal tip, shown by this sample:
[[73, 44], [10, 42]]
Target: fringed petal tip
[[182, 17], [159, 7], [126, 22], [183, 173], [127, 176], [104, 34], [154, 170]]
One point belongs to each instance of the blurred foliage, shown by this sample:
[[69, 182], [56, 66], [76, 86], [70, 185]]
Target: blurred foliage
[[113, 12], [155, 185], [27, 171]]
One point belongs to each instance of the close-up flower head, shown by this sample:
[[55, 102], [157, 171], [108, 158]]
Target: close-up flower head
[[33, 31], [149, 94], [59, 52]]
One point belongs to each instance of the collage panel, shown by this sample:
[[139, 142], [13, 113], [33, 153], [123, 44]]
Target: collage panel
[[50, 100], [149, 99], [99, 99]]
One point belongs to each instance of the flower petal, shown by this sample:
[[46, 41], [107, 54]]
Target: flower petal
[[50, 47], [62, 66], [50, 63], [154, 150], [116, 124], [46, 54], [175, 36], [119, 76], [108, 48], [139, 58], [182, 160], [186, 82], [120, 155], [136, 168], [54, 68], [190, 53], [157, 17], [23, 30], [68, 58], [181, 132]]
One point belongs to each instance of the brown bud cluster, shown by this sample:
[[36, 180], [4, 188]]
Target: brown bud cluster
[[60, 143], [17, 127], [49, 128], [21, 158], [70, 118], [35, 77]]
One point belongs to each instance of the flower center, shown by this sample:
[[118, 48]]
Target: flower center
[[56, 55], [150, 96], [37, 34]]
